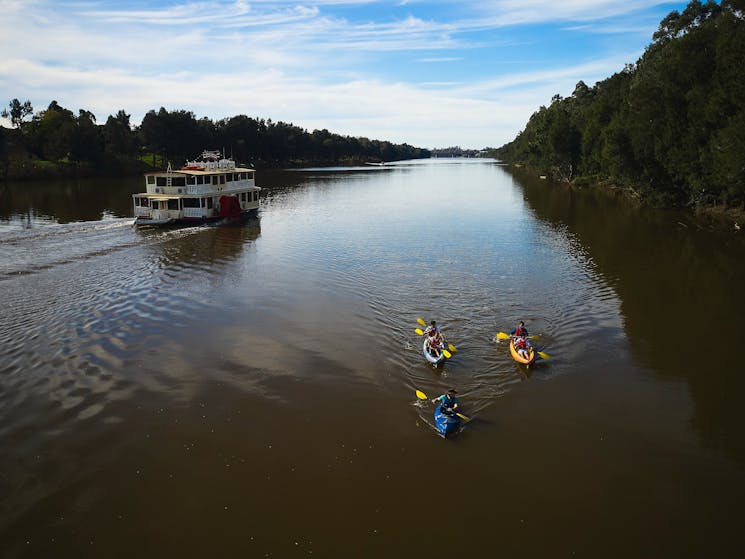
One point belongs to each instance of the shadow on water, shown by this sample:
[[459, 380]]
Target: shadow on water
[[680, 287], [202, 245]]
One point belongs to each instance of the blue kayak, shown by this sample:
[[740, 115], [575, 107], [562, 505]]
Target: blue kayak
[[446, 424]]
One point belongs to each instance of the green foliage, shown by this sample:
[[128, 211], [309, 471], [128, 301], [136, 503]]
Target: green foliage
[[18, 112], [671, 125], [57, 135]]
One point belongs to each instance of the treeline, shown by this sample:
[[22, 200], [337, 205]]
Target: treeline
[[670, 127], [457, 151], [57, 142]]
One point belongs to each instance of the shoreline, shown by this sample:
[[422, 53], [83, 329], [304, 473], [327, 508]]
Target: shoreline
[[719, 217], [23, 170]]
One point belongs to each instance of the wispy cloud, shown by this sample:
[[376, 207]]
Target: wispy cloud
[[522, 12]]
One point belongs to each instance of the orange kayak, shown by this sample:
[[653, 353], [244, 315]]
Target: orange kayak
[[519, 358]]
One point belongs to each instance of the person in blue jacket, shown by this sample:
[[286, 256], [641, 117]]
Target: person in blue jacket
[[449, 403]]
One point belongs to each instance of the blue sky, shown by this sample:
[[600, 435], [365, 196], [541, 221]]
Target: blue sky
[[429, 73]]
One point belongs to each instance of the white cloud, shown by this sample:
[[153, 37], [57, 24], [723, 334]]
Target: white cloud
[[301, 64]]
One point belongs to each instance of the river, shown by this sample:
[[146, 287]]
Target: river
[[250, 391]]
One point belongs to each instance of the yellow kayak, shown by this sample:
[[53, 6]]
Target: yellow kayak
[[519, 358]]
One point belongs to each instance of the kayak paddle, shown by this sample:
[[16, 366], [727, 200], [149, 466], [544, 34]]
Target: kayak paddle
[[503, 336]]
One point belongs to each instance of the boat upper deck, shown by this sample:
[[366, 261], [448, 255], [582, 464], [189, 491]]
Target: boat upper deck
[[212, 174]]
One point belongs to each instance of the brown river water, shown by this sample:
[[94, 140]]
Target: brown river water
[[250, 391]]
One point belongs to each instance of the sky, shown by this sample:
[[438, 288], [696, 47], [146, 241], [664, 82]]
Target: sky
[[429, 73]]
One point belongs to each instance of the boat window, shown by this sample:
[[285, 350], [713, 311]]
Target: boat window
[[251, 175], [214, 179], [222, 179], [209, 203], [229, 177], [160, 181], [151, 179], [191, 202], [192, 180], [178, 181], [154, 204], [173, 203]]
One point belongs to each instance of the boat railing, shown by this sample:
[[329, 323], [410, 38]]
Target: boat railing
[[165, 214], [193, 212], [219, 165]]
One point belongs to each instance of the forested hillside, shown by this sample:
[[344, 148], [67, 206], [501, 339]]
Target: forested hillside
[[670, 127], [56, 142]]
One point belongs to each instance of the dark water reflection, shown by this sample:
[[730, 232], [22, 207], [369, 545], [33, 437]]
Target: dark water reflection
[[679, 283], [225, 391], [68, 200]]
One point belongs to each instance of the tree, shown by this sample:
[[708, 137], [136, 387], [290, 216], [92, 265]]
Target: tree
[[119, 138], [87, 140], [18, 112], [670, 125], [51, 132]]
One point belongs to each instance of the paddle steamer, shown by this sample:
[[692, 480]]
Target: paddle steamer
[[209, 189]]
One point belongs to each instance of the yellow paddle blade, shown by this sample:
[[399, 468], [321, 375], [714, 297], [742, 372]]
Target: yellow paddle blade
[[503, 336], [451, 347], [544, 355], [446, 353], [534, 337], [419, 331], [420, 321], [463, 417], [421, 395]]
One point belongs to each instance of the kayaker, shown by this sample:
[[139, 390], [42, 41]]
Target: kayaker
[[522, 346], [432, 329], [520, 331], [434, 346], [449, 403]]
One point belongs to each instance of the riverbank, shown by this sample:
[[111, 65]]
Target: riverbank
[[24, 169], [714, 217]]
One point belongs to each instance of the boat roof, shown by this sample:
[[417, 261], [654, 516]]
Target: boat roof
[[196, 172]]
